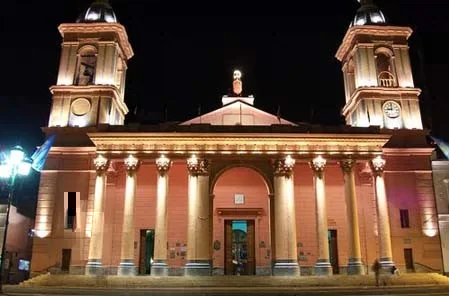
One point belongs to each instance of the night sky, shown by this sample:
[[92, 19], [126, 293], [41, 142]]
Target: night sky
[[185, 53]]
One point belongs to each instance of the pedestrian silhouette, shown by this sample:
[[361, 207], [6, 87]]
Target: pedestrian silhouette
[[376, 270]]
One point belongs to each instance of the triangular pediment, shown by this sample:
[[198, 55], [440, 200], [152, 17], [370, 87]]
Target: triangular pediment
[[238, 113]]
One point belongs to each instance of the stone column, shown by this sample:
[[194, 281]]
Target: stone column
[[199, 260], [383, 221], [285, 257], [94, 266], [322, 265], [159, 266], [355, 265], [127, 249]]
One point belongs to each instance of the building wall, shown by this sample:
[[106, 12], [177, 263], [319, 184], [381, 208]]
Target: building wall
[[409, 186], [408, 180], [241, 180], [441, 186]]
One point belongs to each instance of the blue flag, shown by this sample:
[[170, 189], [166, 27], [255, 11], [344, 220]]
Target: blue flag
[[40, 155], [443, 146]]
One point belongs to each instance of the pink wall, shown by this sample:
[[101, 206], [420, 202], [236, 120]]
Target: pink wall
[[18, 239], [408, 181], [250, 183]]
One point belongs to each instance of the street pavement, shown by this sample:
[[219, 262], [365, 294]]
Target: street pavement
[[272, 291]]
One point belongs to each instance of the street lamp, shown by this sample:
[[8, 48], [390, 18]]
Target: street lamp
[[15, 164]]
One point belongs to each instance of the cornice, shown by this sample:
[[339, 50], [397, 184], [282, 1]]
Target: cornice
[[79, 28], [379, 92], [227, 143], [408, 151], [98, 89], [352, 32], [72, 150]]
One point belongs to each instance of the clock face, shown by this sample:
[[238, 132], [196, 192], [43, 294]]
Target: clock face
[[392, 109]]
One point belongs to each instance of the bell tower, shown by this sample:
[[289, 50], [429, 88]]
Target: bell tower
[[377, 73], [91, 80]]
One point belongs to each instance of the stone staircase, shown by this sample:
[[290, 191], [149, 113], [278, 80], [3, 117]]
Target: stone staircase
[[77, 281]]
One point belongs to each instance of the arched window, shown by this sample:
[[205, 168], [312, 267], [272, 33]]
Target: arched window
[[87, 62], [385, 67]]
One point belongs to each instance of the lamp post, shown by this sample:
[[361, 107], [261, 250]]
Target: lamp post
[[15, 164]]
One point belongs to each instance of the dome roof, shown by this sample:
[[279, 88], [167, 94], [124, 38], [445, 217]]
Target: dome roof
[[368, 14], [98, 12]]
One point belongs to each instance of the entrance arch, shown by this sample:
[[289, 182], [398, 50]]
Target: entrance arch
[[241, 232]]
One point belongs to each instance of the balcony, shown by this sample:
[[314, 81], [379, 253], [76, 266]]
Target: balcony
[[386, 79]]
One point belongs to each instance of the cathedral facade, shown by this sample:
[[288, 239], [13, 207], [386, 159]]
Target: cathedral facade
[[237, 190]]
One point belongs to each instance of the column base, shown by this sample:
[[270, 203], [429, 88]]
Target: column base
[[386, 263], [355, 266], [323, 267], [126, 268], [94, 267], [286, 267], [198, 268], [159, 268]]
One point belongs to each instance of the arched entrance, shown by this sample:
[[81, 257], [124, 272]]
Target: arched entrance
[[241, 222]]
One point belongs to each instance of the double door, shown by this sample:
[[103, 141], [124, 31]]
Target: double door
[[146, 250], [240, 247]]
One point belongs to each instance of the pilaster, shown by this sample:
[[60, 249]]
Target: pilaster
[[322, 266], [159, 266], [127, 248], [199, 261], [285, 257], [94, 263], [355, 266]]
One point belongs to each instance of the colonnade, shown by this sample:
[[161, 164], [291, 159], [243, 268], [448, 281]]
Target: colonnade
[[199, 254]]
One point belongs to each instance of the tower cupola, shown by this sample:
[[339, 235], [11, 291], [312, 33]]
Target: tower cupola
[[99, 11], [368, 14]]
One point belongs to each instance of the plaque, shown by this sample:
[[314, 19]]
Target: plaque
[[217, 245], [239, 199]]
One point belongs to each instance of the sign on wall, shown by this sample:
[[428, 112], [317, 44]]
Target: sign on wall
[[239, 199]]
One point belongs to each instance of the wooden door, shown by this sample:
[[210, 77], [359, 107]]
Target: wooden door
[[251, 241], [408, 257], [66, 258], [229, 267]]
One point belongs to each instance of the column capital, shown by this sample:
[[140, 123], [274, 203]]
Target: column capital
[[163, 164], [197, 166], [101, 164], [284, 167], [347, 165], [131, 163], [318, 164], [377, 165]]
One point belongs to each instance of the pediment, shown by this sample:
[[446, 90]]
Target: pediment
[[238, 113]]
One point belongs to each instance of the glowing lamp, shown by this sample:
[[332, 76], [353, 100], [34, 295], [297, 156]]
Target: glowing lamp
[[5, 170], [15, 165], [237, 74], [25, 167], [289, 161], [16, 155], [193, 160]]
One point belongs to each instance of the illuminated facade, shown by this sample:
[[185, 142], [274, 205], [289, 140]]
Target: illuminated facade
[[440, 167], [236, 190]]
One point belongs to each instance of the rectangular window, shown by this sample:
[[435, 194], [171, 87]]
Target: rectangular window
[[405, 222], [71, 205]]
